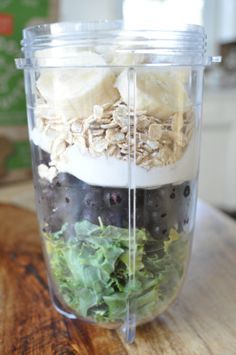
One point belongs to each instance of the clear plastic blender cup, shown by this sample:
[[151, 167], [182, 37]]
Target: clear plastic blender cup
[[114, 122]]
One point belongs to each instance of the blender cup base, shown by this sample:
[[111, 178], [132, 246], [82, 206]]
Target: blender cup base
[[59, 308]]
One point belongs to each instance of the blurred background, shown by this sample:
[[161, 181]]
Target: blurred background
[[218, 157]]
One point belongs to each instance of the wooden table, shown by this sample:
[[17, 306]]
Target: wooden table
[[20, 194], [202, 321]]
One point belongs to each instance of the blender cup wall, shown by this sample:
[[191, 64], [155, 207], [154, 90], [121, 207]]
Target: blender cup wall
[[114, 129]]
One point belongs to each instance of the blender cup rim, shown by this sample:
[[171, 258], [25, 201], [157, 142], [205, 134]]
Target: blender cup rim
[[106, 25], [182, 45], [106, 32]]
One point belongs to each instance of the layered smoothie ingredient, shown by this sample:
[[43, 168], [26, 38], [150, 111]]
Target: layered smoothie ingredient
[[91, 270], [115, 168], [106, 133], [73, 92], [160, 93]]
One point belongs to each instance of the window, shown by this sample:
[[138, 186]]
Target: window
[[158, 12]]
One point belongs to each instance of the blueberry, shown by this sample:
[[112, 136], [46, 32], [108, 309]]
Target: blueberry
[[92, 199], [140, 196], [187, 191], [186, 220], [115, 198]]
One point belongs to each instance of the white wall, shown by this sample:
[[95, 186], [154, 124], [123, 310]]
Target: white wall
[[163, 13], [227, 23], [219, 19], [217, 183], [90, 10]]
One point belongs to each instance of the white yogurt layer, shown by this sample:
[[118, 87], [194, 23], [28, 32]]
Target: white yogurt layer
[[111, 172]]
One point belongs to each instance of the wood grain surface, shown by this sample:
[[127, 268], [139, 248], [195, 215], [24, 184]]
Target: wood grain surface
[[202, 320]]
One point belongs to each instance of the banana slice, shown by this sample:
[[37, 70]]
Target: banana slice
[[159, 93], [126, 58], [74, 91], [58, 52]]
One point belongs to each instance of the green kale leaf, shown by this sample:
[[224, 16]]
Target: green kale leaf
[[93, 275]]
